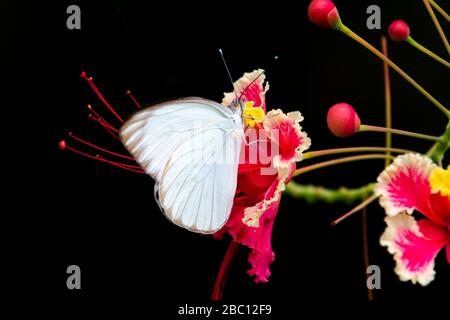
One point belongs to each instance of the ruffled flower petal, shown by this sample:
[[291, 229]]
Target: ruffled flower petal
[[286, 132], [256, 92], [258, 239], [272, 196], [414, 246], [258, 195], [262, 255], [404, 185], [261, 181]]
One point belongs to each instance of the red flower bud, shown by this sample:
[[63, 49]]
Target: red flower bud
[[398, 30], [342, 120], [323, 13]]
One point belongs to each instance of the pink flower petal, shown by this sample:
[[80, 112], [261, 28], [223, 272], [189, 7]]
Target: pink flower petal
[[441, 208], [404, 186], [261, 182], [414, 246], [257, 239], [262, 255], [286, 132], [256, 92], [254, 183], [255, 231]]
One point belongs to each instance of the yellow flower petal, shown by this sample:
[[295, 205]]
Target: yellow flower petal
[[252, 115], [440, 181], [249, 104]]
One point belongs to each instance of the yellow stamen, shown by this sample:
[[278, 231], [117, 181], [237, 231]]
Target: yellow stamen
[[440, 181], [252, 115]]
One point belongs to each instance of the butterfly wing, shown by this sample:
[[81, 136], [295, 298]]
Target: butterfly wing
[[191, 148]]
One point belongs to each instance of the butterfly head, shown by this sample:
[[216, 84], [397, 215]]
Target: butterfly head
[[247, 113], [237, 107]]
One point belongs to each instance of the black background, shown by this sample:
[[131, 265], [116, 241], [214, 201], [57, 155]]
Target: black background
[[61, 209]]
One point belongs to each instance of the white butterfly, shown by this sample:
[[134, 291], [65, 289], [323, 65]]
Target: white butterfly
[[191, 148]]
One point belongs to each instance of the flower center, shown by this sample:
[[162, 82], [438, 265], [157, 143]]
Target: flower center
[[252, 115], [440, 181]]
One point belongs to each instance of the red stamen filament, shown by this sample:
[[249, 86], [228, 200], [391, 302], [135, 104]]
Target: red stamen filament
[[100, 117], [224, 270], [99, 94], [71, 135], [111, 133], [134, 99], [124, 166], [104, 126], [102, 123]]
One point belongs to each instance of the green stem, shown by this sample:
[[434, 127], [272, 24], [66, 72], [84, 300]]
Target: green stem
[[438, 150], [387, 99], [326, 152], [344, 29], [313, 194], [440, 10], [437, 25], [417, 45], [365, 127], [329, 163]]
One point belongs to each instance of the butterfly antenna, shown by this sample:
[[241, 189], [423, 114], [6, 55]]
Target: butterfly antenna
[[274, 59], [228, 71], [243, 91]]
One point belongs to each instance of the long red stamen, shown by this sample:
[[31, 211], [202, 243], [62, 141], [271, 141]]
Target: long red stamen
[[63, 146], [71, 135], [134, 99], [100, 117], [124, 166], [224, 270], [108, 129], [111, 133], [99, 94], [90, 116]]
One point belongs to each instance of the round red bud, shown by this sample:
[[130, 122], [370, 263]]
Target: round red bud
[[323, 13], [398, 30], [342, 120]]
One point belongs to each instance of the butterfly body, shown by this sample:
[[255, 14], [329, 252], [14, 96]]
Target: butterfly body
[[237, 108]]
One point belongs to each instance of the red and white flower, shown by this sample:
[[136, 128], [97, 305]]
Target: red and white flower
[[259, 183], [258, 194], [414, 182]]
